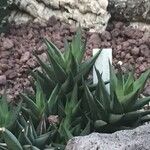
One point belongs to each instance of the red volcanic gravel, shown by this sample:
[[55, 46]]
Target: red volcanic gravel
[[131, 46]]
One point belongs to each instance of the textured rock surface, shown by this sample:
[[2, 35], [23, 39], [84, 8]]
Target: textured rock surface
[[91, 14], [130, 10], [137, 12], [136, 139]]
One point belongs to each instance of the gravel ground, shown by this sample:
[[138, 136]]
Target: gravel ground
[[131, 46]]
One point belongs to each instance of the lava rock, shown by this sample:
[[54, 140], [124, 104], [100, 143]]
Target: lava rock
[[8, 43], [135, 51], [25, 57], [3, 80]]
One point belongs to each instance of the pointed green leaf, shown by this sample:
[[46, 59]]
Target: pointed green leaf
[[30, 103], [55, 53], [59, 71], [86, 67], [140, 103], [11, 140], [99, 124]]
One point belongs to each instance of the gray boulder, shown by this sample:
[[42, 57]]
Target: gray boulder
[[136, 139]]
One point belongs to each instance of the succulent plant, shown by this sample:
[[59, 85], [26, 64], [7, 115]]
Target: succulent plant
[[73, 122], [38, 108], [8, 112], [65, 68], [27, 138], [121, 108], [54, 87]]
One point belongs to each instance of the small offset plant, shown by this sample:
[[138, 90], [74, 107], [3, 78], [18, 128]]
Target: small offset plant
[[38, 108], [8, 112], [25, 137], [121, 108], [4, 12]]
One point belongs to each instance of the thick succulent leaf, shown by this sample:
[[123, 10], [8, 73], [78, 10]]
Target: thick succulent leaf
[[145, 119], [72, 102], [91, 102], [58, 70], [23, 138], [61, 109], [42, 139], [40, 98], [132, 116], [31, 131], [113, 81], [119, 87], [30, 104], [103, 94], [87, 129], [47, 68], [68, 107], [30, 147], [47, 79], [3, 146], [102, 112], [4, 104], [10, 140], [41, 128], [67, 51], [129, 83], [74, 95], [140, 82], [52, 101], [32, 128], [21, 120], [99, 124], [68, 134], [115, 105], [76, 108], [68, 84], [77, 46], [76, 130], [114, 118], [14, 115], [64, 132], [28, 112], [76, 121], [86, 67], [129, 100], [72, 65], [140, 103], [132, 97], [55, 52], [46, 84]]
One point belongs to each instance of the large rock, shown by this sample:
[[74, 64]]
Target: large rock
[[136, 139], [137, 12], [130, 10], [90, 13]]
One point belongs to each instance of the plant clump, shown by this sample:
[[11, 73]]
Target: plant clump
[[67, 104]]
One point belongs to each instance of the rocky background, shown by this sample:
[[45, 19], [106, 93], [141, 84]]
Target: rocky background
[[131, 46], [93, 14]]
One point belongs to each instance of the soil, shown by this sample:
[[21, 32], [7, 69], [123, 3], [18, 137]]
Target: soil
[[131, 46]]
